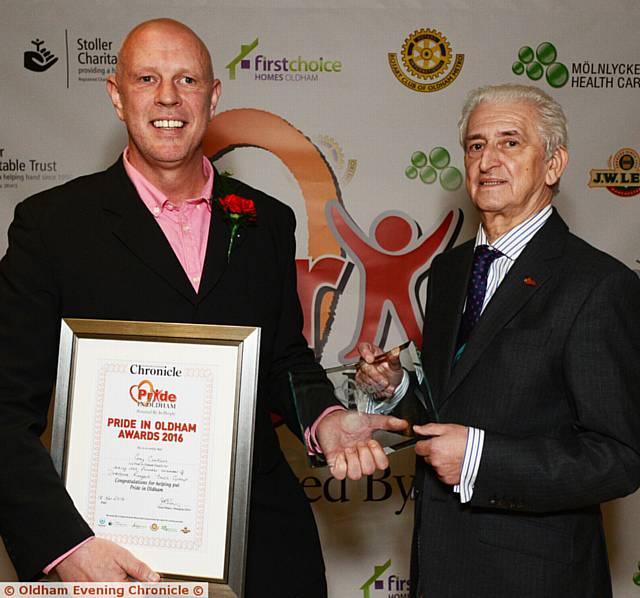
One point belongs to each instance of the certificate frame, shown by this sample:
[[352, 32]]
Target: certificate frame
[[81, 340]]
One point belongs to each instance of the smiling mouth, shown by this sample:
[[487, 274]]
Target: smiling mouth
[[168, 124], [491, 183]]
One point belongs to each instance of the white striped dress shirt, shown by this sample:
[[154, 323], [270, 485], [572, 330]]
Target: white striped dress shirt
[[511, 245]]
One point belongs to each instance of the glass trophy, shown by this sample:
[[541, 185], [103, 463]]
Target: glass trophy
[[415, 406]]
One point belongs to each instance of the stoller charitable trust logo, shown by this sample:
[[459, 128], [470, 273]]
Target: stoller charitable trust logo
[[622, 178], [428, 63], [40, 59], [280, 68], [91, 58]]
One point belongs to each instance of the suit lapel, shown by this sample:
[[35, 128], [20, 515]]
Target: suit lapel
[[536, 263], [215, 262], [218, 258], [447, 308], [132, 223]]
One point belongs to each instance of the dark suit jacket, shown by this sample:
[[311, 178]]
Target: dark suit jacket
[[91, 249], [551, 373]]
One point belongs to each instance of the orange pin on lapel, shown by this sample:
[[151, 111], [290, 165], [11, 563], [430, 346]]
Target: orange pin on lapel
[[530, 281]]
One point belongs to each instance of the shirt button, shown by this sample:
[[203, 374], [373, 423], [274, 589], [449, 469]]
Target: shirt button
[[186, 228], [156, 210], [196, 279]]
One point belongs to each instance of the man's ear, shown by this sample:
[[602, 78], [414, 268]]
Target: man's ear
[[215, 96], [556, 165], [114, 94]]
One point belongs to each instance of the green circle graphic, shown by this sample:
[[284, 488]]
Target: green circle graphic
[[557, 74], [546, 53], [535, 71], [517, 68], [411, 172], [418, 159], [451, 178], [525, 54], [428, 175], [439, 157]]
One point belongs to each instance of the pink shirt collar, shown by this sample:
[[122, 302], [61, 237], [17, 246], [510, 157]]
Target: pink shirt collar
[[153, 198]]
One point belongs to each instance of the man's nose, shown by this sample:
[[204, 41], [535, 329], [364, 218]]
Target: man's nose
[[167, 94], [490, 157]]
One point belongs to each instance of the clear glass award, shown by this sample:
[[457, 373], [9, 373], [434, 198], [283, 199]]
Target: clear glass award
[[415, 405]]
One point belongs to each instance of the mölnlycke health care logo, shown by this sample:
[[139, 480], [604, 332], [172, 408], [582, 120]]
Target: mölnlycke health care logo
[[543, 61]]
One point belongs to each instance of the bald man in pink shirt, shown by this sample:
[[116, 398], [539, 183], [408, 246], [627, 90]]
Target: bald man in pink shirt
[[145, 240]]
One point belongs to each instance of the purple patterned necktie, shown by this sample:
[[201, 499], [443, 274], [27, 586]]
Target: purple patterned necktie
[[483, 257]]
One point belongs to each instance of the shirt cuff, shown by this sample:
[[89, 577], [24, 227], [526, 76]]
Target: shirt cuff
[[313, 446], [470, 464], [385, 406], [55, 563]]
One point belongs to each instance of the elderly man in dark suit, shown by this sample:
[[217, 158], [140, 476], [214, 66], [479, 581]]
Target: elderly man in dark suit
[[144, 240], [532, 351]]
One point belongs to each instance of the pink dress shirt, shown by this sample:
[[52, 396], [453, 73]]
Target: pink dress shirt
[[186, 227]]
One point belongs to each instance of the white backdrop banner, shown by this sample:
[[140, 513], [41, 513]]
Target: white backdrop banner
[[347, 110]]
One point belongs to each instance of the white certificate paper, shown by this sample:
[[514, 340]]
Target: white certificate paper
[[155, 477]]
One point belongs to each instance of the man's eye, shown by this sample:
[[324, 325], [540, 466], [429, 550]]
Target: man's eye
[[188, 80], [512, 143], [146, 78], [475, 147]]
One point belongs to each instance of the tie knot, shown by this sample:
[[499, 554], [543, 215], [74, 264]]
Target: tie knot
[[483, 257], [483, 252]]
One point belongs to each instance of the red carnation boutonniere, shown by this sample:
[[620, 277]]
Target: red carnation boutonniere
[[239, 212]]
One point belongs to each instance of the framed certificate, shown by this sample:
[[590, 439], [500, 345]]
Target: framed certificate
[[153, 437]]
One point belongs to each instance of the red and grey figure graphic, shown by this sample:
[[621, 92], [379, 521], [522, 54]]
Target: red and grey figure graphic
[[393, 261]]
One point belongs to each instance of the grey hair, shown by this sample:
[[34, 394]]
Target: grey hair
[[551, 124]]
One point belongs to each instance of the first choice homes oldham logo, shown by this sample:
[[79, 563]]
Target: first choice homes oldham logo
[[622, 178], [428, 63], [389, 586], [281, 68]]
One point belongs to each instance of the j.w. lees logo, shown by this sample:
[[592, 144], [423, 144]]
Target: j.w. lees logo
[[145, 395], [622, 178]]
